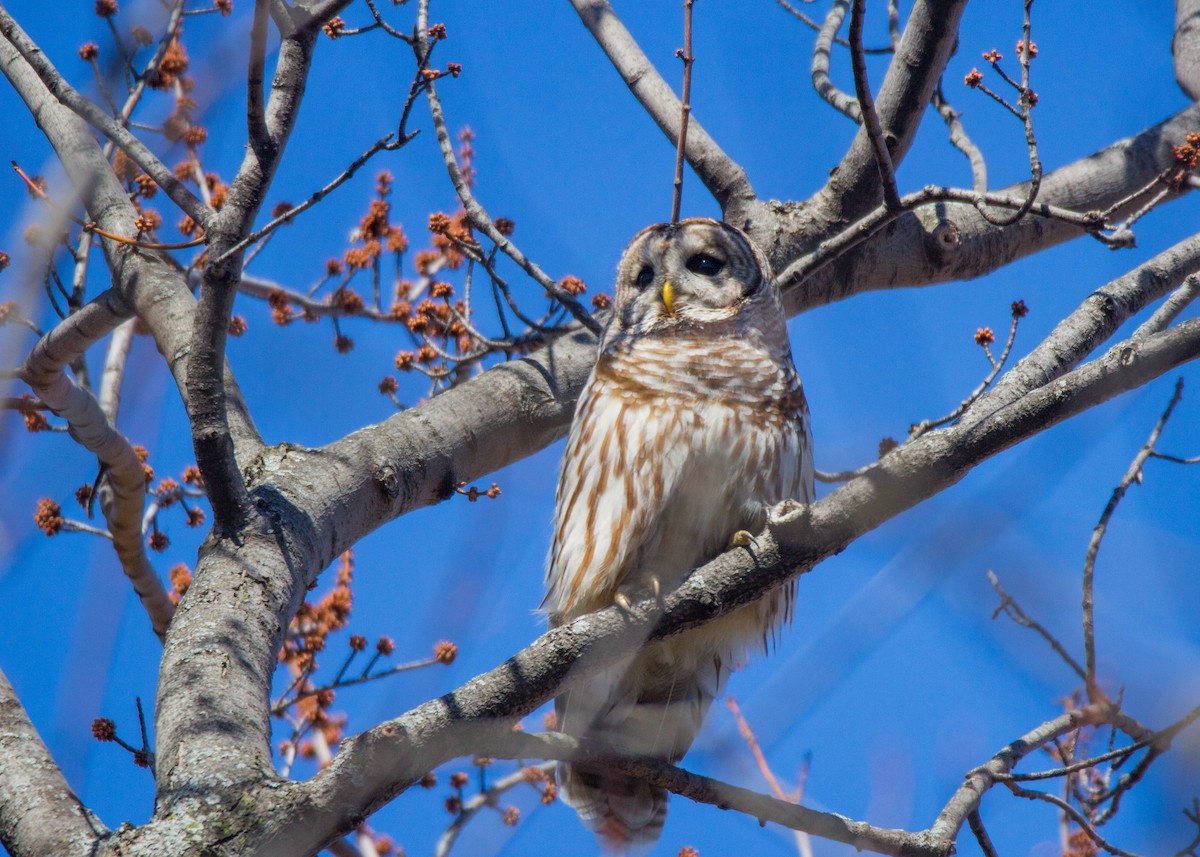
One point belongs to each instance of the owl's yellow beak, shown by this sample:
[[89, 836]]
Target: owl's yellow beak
[[668, 297]]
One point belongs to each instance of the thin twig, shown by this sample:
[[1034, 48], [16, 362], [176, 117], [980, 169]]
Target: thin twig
[[1013, 610], [800, 16], [685, 109], [488, 797], [478, 216], [1089, 566], [1074, 814], [1025, 103], [388, 28], [379, 145], [926, 425], [866, 103]]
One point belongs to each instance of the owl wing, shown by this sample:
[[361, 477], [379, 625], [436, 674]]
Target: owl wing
[[625, 453]]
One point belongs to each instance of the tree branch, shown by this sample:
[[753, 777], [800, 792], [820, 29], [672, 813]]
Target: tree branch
[[268, 133], [714, 792], [928, 41], [822, 48], [966, 800], [725, 179], [1093, 322], [866, 104], [124, 498], [953, 241], [1185, 47], [1132, 473], [39, 814]]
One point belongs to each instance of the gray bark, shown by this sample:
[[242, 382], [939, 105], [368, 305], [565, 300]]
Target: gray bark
[[1185, 47]]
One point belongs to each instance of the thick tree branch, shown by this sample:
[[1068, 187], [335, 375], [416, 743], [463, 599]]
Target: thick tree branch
[[115, 360], [268, 131], [39, 814], [1185, 47], [1093, 322], [714, 792], [954, 242], [417, 457], [124, 489], [724, 178], [928, 41], [210, 741]]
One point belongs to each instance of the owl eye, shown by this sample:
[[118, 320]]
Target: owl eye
[[644, 277], [705, 265]]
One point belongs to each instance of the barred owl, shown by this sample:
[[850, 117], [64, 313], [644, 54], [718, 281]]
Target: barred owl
[[691, 426]]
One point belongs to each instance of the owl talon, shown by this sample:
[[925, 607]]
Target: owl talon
[[655, 588], [742, 539], [622, 601]]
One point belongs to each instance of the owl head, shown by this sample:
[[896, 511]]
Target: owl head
[[694, 276]]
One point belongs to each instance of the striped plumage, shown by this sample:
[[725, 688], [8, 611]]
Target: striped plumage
[[692, 424]]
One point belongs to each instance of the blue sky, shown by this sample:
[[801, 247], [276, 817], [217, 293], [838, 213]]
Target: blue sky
[[893, 675]]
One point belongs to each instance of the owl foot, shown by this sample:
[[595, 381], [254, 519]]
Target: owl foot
[[742, 539], [622, 600]]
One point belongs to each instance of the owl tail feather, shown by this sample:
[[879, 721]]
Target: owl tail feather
[[650, 706], [626, 814]]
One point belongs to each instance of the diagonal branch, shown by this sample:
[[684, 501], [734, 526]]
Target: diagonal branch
[[921, 56], [479, 217], [966, 800], [39, 814], [954, 242], [268, 131], [1093, 322], [714, 792], [724, 178]]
